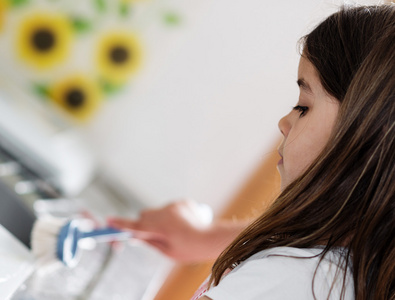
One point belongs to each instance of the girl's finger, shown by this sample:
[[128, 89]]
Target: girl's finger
[[122, 223]]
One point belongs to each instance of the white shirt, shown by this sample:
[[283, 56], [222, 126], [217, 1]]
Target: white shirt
[[280, 273]]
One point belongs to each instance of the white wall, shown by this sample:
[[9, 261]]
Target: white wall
[[203, 113]]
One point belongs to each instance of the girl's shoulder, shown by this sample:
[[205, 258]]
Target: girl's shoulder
[[288, 273], [332, 256], [326, 267]]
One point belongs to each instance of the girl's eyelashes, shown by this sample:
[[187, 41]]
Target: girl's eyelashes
[[301, 109]]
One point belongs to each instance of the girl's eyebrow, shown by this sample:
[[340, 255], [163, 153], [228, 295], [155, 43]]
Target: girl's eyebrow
[[304, 85]]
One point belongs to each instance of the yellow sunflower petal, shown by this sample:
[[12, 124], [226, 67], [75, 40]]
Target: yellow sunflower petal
[[3, 11], [44, 39], [78, 95], [118, 56]]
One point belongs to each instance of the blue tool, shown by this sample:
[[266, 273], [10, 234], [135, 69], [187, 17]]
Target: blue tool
[[70, 235]]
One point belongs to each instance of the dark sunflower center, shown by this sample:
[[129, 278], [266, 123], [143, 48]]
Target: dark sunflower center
[[119, 55], [43, 39], [75, 98]]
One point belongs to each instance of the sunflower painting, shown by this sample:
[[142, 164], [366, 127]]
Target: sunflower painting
[[74, 54], [78, 95], [118, 56], [44, 39]]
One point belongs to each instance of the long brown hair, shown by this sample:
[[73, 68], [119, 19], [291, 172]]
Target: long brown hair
[[347, 196]]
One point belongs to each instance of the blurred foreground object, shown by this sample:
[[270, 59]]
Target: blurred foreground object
[[46, 168]]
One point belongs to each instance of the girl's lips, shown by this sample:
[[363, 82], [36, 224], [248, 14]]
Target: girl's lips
[[280, 162]]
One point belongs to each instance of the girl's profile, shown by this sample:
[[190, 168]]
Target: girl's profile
[[330, 233]]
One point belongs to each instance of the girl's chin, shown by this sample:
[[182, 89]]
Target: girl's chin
[[282, 181]]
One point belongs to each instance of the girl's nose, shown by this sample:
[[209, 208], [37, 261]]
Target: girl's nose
[[284, 125]]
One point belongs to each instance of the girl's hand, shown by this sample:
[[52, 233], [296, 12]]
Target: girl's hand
[[179, 231]]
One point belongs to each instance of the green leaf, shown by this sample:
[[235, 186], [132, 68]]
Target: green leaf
[[41, 90], [172, 18], [16, 3], [124, 10], [81, 25], [100, 5], [109, 88]]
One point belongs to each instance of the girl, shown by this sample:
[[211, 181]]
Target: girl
[[330, 234]]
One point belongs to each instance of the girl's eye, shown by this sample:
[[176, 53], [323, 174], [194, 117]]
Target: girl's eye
[[301, 109]]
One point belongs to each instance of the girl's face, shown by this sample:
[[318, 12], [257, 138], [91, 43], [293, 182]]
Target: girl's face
[[306, 129]]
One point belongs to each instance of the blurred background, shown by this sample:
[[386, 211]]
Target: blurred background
[[173, 98], [125, 104]]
